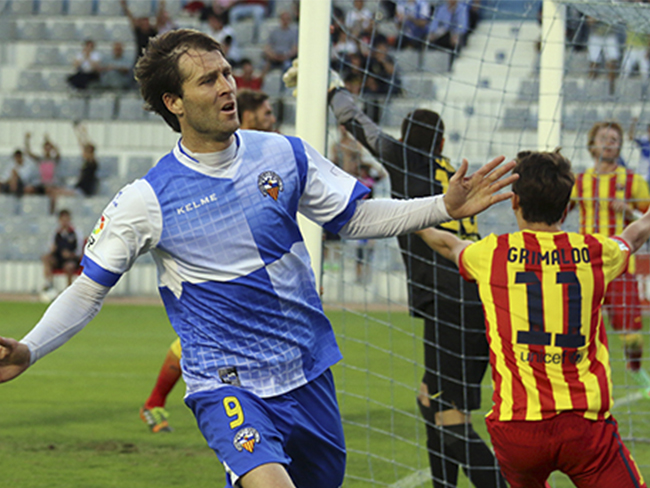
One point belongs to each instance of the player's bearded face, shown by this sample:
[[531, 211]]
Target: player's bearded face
[[209, 103]]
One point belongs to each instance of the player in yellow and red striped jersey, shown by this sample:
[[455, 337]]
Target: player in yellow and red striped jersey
[[609, 197], [543, 290]]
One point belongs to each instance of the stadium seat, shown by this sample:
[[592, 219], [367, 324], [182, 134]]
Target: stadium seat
[[13, 108], [596, 90], [631, 90], [93, 30], [72, 109], [435, 62], [19, 7], [518, 118], [273, 85], [418, 85], [48, 55], [138, 167], [255, 54], [56, 81], [408, 60], [29, 81], [7, 29], [528, 90], [120, 31], [131, 108], [572, 91], [35, 205], [31, 30], [41, 108], [50, 7], [112, 8], [63, 30], [108, 167], [244, 33], [579, 119], [101, 108], [80, 7]]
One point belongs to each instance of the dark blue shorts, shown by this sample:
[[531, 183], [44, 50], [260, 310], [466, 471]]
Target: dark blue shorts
[[301, 430]]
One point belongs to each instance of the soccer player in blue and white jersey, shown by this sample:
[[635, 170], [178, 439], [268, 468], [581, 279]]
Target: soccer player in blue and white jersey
[[219, 215]]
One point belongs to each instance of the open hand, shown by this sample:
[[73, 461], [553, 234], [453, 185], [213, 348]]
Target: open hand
[[470, 195]]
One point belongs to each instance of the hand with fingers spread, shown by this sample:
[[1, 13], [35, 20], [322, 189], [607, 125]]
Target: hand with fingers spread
[[470, 195], [14, 358]]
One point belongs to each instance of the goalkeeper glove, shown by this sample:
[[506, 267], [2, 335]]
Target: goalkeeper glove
[[290, 78]]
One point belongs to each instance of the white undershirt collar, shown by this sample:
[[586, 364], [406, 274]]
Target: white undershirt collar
[[219, 163]]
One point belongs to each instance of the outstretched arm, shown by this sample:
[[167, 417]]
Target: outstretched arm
[[67, 315], [637, 233], [467, 196], [444, 243]]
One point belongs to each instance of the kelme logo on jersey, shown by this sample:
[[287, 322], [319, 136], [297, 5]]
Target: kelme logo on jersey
[[270, 184], [99, 228], [246, 438]]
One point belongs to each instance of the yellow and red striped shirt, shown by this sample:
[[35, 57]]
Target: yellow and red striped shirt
[[593, 192], [542, 294]]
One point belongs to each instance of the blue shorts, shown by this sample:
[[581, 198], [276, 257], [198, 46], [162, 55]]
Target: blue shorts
[[301, 430]]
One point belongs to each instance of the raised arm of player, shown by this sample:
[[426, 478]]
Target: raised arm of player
[[637, 233], [444, 243]]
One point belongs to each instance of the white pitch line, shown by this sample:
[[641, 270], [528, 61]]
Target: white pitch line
[[415, 479], [627, 399]]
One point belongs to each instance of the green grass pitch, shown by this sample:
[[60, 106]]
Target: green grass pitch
[[72, 420]]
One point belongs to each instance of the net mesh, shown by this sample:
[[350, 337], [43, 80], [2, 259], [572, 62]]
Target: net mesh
[[485, 86]]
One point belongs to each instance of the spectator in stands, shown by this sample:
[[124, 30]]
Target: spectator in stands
[[88, 182], [359, 20], [225, 35], [412, 17], [142, 27], [164, 21], [282, 45], [449, 27], [219, 7], [637, 50], [246, 77], [382, 82], [116, 73], [15, 178], [64, 254], [346, 153], [47, 164], [343, 47], [87, 64], [474, 14], [644, 146], [250, 8], [602, 41], [255, 111]]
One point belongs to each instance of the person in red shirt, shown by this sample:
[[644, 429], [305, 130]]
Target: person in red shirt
[[247, 78]]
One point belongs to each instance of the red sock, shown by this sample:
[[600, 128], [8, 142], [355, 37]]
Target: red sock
[[170, 372]]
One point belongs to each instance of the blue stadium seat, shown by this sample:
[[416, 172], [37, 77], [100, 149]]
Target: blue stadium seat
[[518, 118], [56, 81], [48, 55], [101, 108], [112, 8], [80, 7], [29, 81], [72, 109], [435, 62], [7, 29], [108, 166], [120, 31], [408, 60], [131, 108], [50, 7], [41, 108], [138, 167], [63, 30], [528, 90], [93, 30], [36, 205], [19, 7], [31, 30], [13, 108], [418, 85]]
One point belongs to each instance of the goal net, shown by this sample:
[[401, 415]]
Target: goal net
[[483, 79]]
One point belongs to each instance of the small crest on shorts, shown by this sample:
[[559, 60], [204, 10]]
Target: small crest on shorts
[[270, 184], [246, 438]]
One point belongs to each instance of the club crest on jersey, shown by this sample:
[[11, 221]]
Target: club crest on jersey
[[246, 438], [270, 184]]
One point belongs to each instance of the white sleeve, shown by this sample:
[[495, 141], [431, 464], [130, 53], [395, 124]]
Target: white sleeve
[[330, 194], [129, 226], [387, 218], [67, 315]]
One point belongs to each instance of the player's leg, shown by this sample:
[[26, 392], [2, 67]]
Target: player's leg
[[153, 412], [593, 455], [624, 310], [525, 450], [315, 442], [241, 429]]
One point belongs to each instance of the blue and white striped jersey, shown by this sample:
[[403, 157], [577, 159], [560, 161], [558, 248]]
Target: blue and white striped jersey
[[233, 270]]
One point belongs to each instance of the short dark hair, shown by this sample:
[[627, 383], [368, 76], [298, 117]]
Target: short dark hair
[[64, 213], [18, 152], [157, 70], [544, 185], [249, 100], [424, 130]]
